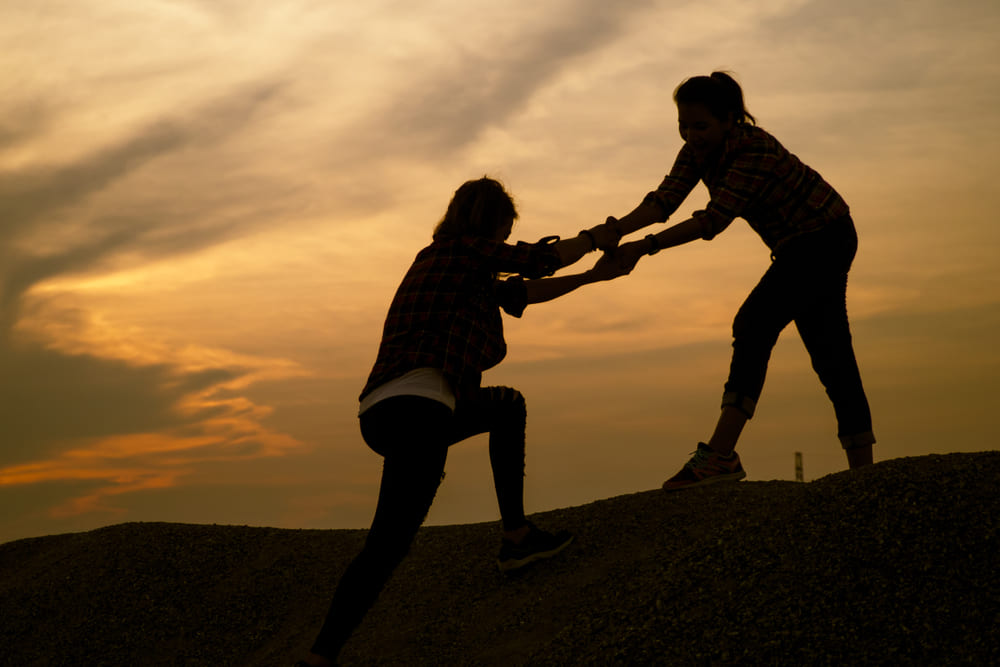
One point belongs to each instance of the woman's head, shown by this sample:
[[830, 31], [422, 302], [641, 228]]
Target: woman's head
[[479, 208], [708, 108], [719, 93]]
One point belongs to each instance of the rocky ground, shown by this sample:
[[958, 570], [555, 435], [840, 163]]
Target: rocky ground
[[893, 564]]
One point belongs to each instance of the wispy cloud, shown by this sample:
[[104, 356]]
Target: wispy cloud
[[87, 401], [52, 229], [126, 418], [488, 74]]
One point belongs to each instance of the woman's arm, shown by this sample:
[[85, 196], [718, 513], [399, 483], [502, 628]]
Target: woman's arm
[[608, 267], [604, 236], [641, 216], [679, 234], [546, 289]]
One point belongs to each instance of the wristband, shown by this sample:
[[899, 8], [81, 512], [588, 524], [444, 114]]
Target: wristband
[[593, 241], [654, 245]]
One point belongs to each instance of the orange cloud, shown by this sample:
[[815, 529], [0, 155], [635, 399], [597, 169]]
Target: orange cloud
[[201, 416], [144, 461]]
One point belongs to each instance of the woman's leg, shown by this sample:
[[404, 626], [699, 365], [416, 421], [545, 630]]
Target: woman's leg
[[823, 325], [501, 412], [412, 434], [727, 430], [827, 338], [756, 327], [766, 311], [806, 283], [860, 456]]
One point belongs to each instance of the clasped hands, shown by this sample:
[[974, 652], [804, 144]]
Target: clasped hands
[[617, 260]]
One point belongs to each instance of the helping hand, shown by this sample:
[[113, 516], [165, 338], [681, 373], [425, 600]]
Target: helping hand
[[629, 254], [606, 235], [616, 263]]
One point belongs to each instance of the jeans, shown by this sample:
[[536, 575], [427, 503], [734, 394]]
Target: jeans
[[806, 284], [413, 434]]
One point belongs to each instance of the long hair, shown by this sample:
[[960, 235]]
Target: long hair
[[719, 93], [478, 208]]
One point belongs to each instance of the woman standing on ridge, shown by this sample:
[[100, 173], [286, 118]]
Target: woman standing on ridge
[[442, 331], [809, 230]]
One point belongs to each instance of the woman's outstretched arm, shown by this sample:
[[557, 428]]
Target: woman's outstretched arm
[[641, 216], [682, 232], [608, 267], [604, 237]]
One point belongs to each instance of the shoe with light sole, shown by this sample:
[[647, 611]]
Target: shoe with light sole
[[537, 545], [706, 467]]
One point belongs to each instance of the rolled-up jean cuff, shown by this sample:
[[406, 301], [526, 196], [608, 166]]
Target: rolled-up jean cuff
[[741, 402], [866, 439]]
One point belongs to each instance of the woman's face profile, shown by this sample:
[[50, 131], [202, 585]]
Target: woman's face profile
[[700, 130], [504, 230]]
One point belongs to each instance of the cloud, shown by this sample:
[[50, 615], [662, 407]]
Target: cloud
[[50, 225], [82, 400], [128, 419], [32, 194], [409, 93], [262, 188], [896, 45], [482, 73], [49, 397]]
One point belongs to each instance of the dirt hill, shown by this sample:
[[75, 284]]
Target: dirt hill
[[893, 564]]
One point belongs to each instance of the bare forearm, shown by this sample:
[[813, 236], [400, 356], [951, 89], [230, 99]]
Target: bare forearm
[[546, 289], [682, 232], [571, 250], [642, 216], [604, 236]]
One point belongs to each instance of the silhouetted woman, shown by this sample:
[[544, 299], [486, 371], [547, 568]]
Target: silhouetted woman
[[812, 239], [442, 331]]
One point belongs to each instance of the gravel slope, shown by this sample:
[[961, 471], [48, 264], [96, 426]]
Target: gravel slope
[[893, 564]]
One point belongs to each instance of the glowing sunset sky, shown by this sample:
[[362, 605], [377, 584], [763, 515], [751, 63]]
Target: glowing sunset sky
[[205, 207]]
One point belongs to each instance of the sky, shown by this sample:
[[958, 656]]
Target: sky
[[205, 207]]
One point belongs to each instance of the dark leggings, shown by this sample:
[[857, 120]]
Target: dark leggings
[[413, 435], [806, 284]]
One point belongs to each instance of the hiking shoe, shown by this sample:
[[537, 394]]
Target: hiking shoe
[[706, 467], [538, 544]]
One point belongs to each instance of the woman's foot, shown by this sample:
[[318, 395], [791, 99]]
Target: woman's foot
[[517, 536], [707, 466], [536, 545]]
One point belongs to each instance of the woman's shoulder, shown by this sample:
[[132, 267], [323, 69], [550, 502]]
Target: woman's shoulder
[[758, 145], [453, 246], [440, 254], [473, 252], [753, 135], [461, 252]]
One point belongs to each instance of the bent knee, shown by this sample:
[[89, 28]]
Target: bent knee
[[510, 397], [745, 324]]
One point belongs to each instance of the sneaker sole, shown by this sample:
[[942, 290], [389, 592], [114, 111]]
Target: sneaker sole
[[515, 563], [731, 477]]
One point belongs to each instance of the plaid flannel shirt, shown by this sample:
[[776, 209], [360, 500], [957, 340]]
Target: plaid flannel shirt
[[757, 179], [446, 311]]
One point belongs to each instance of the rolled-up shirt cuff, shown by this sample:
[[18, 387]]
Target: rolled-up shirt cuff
[[512, 295]]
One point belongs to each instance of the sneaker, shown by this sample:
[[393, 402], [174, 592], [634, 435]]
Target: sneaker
[[538, 544], [706, 467]]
